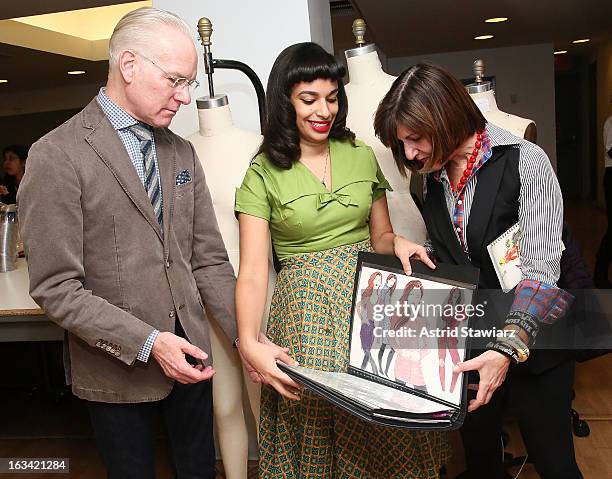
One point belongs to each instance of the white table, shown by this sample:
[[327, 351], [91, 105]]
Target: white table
[[20, 317]]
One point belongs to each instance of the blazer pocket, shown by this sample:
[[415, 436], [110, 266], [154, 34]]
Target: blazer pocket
[[185, 189]]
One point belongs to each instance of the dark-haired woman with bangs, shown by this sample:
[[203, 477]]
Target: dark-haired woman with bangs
[[319, 196]]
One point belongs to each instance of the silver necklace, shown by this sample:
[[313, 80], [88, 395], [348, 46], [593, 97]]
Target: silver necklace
[[325, 170]]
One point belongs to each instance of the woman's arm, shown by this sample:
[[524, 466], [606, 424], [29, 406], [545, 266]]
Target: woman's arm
[[252, 284], [251, 291], [386, 242]]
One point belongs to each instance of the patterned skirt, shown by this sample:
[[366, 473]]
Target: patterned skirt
[[310, 438]]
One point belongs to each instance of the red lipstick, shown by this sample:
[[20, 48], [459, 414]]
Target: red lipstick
[[320, 126]]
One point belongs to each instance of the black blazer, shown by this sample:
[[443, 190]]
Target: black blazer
[[494, 209]]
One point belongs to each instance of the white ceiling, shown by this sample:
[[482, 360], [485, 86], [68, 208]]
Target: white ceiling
[[24, 8], [89, 24]]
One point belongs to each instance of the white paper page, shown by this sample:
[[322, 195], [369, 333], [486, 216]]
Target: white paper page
[[505, 255], [426, 359], [371, 394]]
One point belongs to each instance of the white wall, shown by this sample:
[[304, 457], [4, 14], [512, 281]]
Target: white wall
[[319, 16], [253, 33], [525, 82]]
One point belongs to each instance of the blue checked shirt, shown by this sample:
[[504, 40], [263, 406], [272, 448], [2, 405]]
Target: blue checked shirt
[[122, 121]]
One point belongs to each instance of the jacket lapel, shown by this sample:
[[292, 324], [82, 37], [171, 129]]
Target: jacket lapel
[[489, 180], [166, 160], [105, 141]]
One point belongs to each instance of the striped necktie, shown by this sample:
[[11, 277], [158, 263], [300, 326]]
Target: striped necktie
[[151, 184]]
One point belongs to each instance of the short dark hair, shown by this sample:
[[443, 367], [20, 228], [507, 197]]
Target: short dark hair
[[432, 103], [20, 150], [302, 62]]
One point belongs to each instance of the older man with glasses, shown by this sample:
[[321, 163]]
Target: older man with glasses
[[128, 252]]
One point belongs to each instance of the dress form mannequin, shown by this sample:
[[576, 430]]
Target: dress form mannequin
[[225, 152], [368, 84], [483, 95]]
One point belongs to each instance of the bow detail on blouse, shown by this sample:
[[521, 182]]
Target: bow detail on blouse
[[326, 198]]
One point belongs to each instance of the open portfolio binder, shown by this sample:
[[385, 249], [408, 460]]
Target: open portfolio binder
[[407, 333]]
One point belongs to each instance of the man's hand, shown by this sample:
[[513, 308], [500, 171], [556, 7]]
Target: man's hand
[[169, 350], [3, 190], [492, 368]]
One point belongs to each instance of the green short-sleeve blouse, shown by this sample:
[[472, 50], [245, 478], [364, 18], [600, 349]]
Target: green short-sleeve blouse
[[303, 215]]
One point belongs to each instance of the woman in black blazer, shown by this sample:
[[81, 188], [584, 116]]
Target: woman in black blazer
[[481, 180]]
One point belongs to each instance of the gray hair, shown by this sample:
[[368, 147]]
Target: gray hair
[[137, 30]]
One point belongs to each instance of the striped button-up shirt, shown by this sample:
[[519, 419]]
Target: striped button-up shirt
[[122, 121], [540, 215]]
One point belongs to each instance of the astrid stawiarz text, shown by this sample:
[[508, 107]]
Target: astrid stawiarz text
[[425, 332]]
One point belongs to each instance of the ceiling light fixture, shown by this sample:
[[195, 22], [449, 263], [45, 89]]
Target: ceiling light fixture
[[76, 72], [582, 40], [3, 81], [560, 52], [496, 20], [483, 37]]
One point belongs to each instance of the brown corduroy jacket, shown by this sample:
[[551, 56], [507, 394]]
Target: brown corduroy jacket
[[101, 267]]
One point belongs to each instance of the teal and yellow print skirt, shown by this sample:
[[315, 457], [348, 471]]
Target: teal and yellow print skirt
[[310, 438]]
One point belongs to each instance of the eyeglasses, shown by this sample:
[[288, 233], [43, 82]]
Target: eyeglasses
[[180, 82]]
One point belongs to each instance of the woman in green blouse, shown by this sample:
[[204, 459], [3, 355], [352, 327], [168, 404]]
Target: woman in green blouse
[[319, 196]]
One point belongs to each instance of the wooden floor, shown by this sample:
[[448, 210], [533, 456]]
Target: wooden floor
[[84, 461], [41, 427]]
